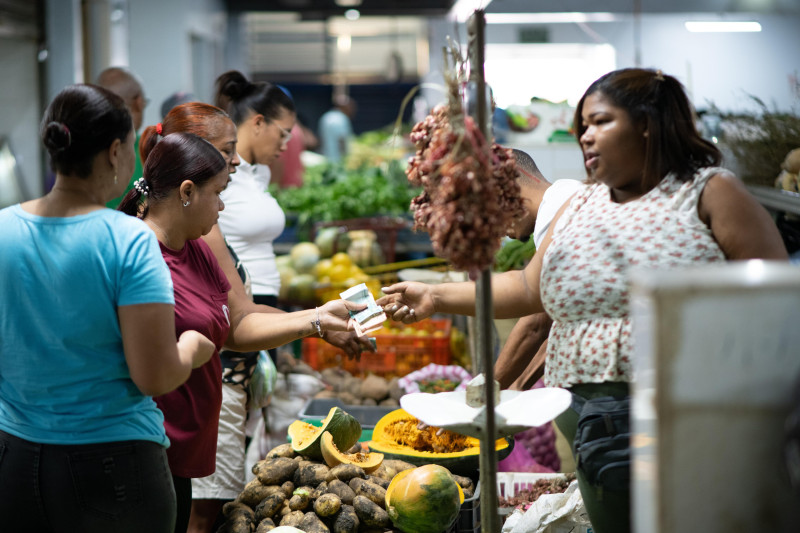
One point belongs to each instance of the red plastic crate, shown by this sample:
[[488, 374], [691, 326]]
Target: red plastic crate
[[402, 349]]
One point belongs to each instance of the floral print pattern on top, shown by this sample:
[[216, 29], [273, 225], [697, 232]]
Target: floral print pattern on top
[[584, 283]]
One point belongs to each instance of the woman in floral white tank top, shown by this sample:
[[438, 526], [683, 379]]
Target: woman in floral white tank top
[[654, 198]]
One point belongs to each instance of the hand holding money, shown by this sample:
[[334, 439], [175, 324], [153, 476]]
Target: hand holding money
[[369, 318]]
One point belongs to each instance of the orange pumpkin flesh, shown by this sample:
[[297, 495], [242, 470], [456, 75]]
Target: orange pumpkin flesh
[[333, 456]]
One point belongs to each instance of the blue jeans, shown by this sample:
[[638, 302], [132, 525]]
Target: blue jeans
[[117, 487]]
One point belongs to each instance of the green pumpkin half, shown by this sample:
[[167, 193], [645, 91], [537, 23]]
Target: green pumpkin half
[[306, 438]]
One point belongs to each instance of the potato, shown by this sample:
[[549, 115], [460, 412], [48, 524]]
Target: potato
[[293, 519], [397, 465], [265, 525], [269, 506], [346, 521], [356, 448], [327, 505], [238, 523], [375, 388], [389, 402], [288, 489], [299, 502], [236, 506], [349, 398], [285, 509], [345, 472], [378, 481], [374, 492], [255, 491], [284, 450], [275, 471], [383, 473], [311, 474], [466, 484], [312, 524], [342, 490], [369, 513], [395, 390], [321, 489]]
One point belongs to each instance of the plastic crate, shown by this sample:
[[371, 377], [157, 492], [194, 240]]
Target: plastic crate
[[367, 415], [399, 353], [469, 517], [509, 483]]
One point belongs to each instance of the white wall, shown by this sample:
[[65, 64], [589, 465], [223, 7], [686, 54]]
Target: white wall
[[715, 67], [19, 101], [162, 34]]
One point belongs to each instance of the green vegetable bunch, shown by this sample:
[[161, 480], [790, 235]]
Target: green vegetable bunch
[[331, 192], [513, 255]]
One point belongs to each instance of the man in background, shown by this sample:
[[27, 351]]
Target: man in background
[[126, 85], [336, 128], [521, 361]]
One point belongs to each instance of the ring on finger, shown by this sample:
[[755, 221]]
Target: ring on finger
[[411, 312]]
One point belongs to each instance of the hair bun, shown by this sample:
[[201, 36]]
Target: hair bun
[[234, 85], [57, 136]]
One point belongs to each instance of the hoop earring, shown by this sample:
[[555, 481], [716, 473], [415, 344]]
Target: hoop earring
[[186, 203]]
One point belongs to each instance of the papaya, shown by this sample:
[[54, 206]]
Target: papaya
[[306, 438], [425, 499], [333, 456]]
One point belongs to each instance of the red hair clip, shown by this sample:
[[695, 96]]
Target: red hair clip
[[159, 128]]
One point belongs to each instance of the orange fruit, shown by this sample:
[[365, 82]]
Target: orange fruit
[[342, 258], [339, 273]]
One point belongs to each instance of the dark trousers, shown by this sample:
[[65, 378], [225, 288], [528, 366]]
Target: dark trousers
[[183, 495], [119, 487], [609, 511]]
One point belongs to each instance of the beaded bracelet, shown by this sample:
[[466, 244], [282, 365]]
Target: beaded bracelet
[[317, 324]]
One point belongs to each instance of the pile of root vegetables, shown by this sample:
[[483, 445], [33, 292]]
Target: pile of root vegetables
[[291, 490], [351, 390]]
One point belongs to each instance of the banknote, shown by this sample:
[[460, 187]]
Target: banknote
[[368, 319]]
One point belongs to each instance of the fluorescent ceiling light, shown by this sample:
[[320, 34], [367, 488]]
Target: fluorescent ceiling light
[[697, 26], [548, 18], [348, 3], [343, 43]]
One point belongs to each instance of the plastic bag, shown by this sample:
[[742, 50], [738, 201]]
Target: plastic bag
[[551, 513], [262, 382]]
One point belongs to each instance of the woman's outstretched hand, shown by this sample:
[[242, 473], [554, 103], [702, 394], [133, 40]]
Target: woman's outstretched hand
[[335, 315], [407, 301]]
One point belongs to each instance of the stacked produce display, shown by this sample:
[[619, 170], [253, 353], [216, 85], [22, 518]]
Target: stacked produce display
[[312, 485]]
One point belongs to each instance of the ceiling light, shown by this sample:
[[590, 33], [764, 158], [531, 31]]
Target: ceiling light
[[697, 26], [548, 18], [343, 43], [352, 14], [348, 3]]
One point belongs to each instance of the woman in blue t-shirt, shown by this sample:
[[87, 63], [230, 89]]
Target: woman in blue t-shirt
[[87, 336]]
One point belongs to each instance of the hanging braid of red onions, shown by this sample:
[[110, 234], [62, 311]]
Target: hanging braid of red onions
[[470, 195]]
